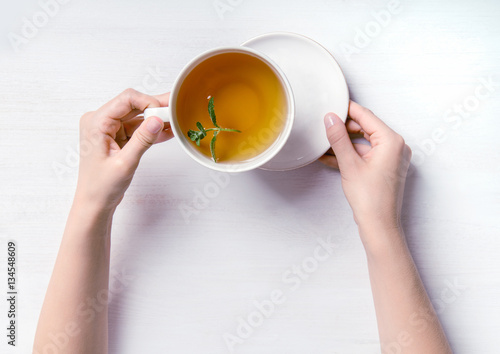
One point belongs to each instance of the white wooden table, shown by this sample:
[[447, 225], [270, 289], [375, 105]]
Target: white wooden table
[[188, 282]]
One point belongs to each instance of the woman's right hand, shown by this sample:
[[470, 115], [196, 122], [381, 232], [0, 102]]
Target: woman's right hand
[[373, 177]]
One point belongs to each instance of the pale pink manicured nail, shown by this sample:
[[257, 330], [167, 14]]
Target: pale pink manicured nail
[[154, 125], [330, 119]]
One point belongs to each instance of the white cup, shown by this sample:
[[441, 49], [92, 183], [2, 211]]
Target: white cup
[[168, 114]]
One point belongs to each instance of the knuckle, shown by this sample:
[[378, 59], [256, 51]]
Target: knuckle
[[408, 151], [130, 92], [367, 112], [86, 117], [399, 141], [143, 140], [336, 138], [106, 126], [85, 124], [121, 165], [332, 137], [127, 95]]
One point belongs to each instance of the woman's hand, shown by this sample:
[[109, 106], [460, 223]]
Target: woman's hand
[[373, 177], [112, 141]]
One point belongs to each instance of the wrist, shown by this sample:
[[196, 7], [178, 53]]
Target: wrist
[[88, 223], [94, 201], [381, 241], [91, 210]]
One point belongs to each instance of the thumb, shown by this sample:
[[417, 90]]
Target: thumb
[[338, 137], [142, 139]]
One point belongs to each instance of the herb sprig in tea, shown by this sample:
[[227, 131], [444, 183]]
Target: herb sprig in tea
[[197, 135]]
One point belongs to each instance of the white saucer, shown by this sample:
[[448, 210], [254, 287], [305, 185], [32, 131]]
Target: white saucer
[[318, 86]]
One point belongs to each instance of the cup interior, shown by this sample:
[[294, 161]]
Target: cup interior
[[287, 111]]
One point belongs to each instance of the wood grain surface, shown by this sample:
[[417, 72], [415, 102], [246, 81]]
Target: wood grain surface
[[187, 281]]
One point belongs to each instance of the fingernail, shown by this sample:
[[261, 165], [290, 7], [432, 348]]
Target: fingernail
[[153, 125], [330, 119]]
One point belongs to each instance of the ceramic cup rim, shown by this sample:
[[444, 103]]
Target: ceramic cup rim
[[260, 159]]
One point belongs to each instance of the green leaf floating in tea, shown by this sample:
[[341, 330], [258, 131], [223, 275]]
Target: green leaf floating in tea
[[197, 135], [211, 111]]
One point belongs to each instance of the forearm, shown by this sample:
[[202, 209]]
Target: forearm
[[405, 316], [74, 313]]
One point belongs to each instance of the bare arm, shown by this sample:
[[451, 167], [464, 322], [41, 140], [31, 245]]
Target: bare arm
[[373, 179], [405, 316], [74, 316]]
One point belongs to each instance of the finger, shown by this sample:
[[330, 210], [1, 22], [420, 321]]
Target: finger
[[166, 134], [355, 131], [128, 128], [128, 102], [339, 140], [132, 125], [362, 149], [142, 139], [353, 127], [365, 118], [121, 136], [163, 98], [131, 115], [330, 161]]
